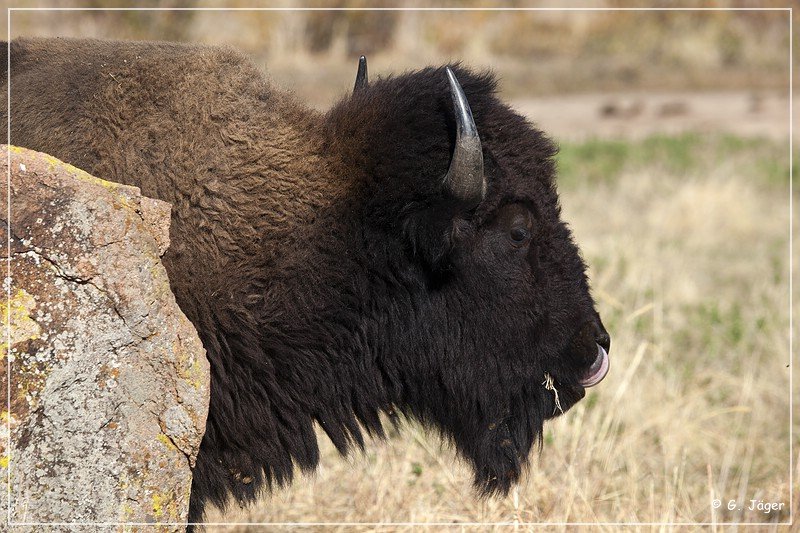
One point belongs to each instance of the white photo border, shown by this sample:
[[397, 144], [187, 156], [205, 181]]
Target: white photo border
[[8, 279]]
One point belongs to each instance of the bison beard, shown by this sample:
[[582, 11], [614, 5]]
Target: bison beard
[[327, 261]]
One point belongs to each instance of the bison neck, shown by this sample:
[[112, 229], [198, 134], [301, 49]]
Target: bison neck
[[273, 277], [284, 324]]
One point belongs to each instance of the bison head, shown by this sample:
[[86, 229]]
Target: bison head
[[478, 312]]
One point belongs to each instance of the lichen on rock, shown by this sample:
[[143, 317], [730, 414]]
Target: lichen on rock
[[109, 380]]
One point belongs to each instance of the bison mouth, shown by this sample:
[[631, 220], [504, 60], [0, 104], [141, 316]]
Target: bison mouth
[[597, 371], [565, 394]]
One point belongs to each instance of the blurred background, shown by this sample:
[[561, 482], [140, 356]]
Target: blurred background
[[537, 54], [674, 174]]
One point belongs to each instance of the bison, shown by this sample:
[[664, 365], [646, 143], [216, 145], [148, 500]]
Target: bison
[[402, 252]]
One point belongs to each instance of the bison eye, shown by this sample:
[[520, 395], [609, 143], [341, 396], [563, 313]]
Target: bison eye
[[519, 235], [515, 221], [518, 224]]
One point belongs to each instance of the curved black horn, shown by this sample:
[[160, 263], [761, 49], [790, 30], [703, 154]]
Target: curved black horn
[[361, 75], [465, 179]]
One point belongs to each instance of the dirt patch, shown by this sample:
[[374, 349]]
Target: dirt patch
[[637, 115]]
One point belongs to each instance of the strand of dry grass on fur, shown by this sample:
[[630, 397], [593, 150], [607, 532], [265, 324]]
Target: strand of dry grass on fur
[[549, 384]]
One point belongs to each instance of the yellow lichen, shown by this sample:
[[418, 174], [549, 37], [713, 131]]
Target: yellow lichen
[[77, 173], [196, 375], [165, 440], [4, 461], [127, 512], [17, 312], [158, 504], [165, 506], [190, 367]]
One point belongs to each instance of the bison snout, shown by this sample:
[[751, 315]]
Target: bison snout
[[592, 344], [598, 370]]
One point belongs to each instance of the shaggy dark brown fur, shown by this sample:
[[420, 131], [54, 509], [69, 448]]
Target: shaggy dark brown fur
[[328, 274]]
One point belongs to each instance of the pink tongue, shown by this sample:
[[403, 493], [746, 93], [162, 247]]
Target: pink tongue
[[598, 370]]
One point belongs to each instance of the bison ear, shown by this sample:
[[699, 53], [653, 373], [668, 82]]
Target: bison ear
[[413, 140], [431, 233]]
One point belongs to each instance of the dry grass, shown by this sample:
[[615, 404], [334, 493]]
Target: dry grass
[[690, 271]]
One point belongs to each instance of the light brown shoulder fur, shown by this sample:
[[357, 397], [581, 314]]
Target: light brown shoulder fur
[[196, 126]]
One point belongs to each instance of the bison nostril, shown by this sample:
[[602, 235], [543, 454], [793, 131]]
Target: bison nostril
[[604, 340]]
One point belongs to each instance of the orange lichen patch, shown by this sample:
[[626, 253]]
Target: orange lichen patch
[[107, 377]]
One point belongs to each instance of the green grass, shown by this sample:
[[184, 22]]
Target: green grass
[[599, 161]]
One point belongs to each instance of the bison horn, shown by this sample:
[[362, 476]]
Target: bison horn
[[361, 75], [465, 179]]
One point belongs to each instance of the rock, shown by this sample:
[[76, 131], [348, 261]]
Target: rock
[[109, 380]]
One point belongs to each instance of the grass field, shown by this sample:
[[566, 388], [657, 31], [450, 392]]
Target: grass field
[[687, 242]]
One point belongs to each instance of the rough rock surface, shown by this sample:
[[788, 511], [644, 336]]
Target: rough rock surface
[[109, 383]]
